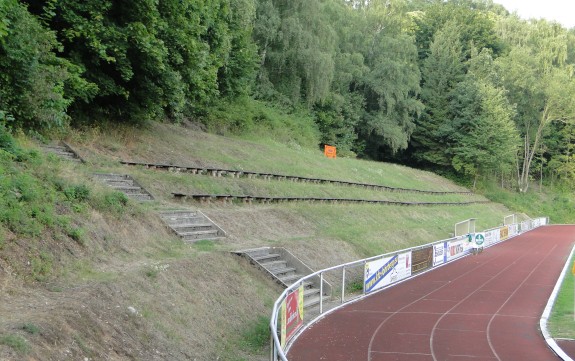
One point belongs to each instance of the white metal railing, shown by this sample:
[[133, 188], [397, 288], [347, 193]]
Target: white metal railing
[[491, 237]]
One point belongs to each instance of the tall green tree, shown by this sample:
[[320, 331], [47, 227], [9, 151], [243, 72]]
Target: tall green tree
[[297, 46], [540, 83], [486, 139], [391, 85], [33, 78], [151, 59], [442, 71]]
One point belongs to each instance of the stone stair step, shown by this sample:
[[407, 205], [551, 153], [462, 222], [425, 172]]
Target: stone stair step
[[128, 189], [265, 257], [203, 238], [198, 235], [289, 279], [309, 292], [284, 271], [111, 176], [184, 221], [168, 215], [311, 301], [61, 151], [189, 228], [141, 197], [274, 264], [119, 182]]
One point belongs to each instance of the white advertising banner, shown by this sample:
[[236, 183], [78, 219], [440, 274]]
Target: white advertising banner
[[387, 270], [525, 226], [457, 248], [513, 230], [491, 237], [479, 240], [439, 253]]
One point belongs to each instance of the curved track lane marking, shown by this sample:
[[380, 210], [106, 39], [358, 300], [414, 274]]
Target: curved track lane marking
[[466, 298], [508, 298], [417, 300]]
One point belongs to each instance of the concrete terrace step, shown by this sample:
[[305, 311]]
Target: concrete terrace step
[[119, 182], [289, 279], [125, 184], [217, 172], [112, 176], [265, 257], [283, 271], [286, 269], [191, 225], [199, 235], [272, 265], [127, 189], [189, 228], [178, 214], [62, 151]]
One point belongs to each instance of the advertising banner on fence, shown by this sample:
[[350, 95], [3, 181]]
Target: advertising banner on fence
[[458, 247], [421, 259], [385, 271], [489, 238], [292, 314], [513, 230], [439, 253], [503, 233], [479, 240]]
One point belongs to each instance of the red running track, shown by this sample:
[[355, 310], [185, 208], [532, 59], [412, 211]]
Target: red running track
[[480, 308]]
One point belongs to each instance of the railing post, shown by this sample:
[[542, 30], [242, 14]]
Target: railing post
[[321, 293], [363, 283], [273, 351], [343, 285]]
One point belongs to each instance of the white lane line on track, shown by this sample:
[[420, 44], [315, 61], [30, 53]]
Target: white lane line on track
[[401, 353], [459, 330], [466, 298], [472, 356], [447, 283], [508, 298]]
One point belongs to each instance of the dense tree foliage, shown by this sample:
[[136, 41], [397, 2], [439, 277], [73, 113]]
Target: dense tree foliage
[[457, 86]]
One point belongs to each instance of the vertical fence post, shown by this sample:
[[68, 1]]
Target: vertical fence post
[[343, 285], [363, 282], [272, 349], [321, 293]]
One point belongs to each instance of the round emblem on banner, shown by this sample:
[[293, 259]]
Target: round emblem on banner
[[479, 239]]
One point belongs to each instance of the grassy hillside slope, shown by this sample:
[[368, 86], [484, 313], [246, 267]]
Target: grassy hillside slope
[[104, 279]]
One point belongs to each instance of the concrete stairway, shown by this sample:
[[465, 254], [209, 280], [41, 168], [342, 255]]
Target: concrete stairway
[[63, 151], [192, 225], [125, 184], [286, 269]]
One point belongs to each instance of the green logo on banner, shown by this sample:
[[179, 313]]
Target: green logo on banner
[[479, 239]]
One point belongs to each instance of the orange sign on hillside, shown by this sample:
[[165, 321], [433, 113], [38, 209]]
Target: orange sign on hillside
[[329, 151]]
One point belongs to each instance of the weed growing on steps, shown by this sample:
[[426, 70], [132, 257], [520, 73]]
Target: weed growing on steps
[[110, 202]]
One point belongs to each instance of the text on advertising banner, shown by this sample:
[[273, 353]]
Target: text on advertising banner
[[457, 248], [292, 314], [387, 270], [439, 253]]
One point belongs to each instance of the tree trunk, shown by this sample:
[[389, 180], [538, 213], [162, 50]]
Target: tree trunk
[[530, 151]]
